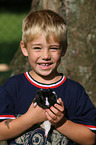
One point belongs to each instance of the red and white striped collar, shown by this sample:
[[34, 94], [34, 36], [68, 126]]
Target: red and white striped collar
[[44, 86]]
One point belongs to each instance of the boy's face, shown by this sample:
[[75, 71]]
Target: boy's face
[[44, 57]]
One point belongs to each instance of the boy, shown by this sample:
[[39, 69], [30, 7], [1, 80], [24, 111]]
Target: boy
[[44, 42]]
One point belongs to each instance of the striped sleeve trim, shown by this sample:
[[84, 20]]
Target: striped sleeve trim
[[91, 127], [3, 117]]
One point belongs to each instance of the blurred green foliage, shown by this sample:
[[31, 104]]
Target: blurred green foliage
[[11, 16], [10, 34]]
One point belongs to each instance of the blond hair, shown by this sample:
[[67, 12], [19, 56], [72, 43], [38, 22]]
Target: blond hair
[[47, 22]]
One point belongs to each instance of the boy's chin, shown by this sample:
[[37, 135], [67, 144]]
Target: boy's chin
[[48, 76]]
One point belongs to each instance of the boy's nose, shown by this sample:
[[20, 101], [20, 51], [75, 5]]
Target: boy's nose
[[45, 55]]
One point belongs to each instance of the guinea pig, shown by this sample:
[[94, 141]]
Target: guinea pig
[[45, 99]]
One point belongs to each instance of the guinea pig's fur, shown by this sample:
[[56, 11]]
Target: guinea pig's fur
[[45, 99]]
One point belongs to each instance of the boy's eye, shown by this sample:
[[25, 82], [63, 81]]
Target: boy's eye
[[54, 48], [36, 48]]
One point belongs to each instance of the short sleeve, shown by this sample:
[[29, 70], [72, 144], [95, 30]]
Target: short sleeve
[[84, 110], [7, 109]]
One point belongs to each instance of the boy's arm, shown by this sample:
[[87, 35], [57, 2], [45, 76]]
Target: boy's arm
[[75, 132], [13, 128]]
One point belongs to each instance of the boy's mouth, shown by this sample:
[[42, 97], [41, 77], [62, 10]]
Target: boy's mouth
[[45, 64]]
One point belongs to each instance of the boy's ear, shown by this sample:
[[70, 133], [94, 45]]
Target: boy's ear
[[23, 49]]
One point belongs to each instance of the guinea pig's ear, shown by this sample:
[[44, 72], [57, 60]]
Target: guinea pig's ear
[[54, 92]]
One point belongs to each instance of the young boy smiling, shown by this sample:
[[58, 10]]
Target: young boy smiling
[[44, 58], [44, 42]]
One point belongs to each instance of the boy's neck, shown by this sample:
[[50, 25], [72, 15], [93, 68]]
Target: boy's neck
[[46, 79]]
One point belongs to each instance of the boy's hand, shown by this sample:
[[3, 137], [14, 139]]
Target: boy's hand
[[56, 113], [36, 114]]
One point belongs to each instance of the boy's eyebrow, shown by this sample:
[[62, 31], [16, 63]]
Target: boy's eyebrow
[[56, 45], [35, 44]]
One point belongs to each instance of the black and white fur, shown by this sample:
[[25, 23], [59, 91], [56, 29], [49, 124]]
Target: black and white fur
[[45, 99]]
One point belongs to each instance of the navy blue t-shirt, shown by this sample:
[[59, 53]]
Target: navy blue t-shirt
[[17, 94]]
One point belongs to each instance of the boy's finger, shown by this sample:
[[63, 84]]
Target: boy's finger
[[61, 102], [55, 111], [51, 116], [59, 108]]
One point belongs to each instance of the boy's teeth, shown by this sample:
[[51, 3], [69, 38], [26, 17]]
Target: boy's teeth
[[44, 64]]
